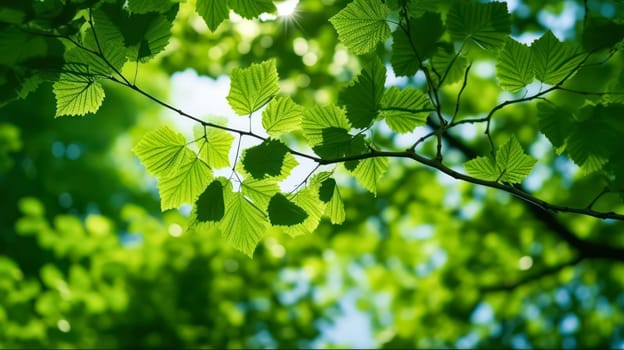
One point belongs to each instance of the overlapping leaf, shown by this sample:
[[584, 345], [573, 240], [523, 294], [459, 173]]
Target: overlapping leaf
[[251, 8], [243, 224], [448, 65], [369, 171], [282, 115], [185, 183], [260, 191], [162, 151], [283, 212], [511, 165], [210, 206], [214, 149], [252, 87], [213, 12], [554, 60], [361, 25], [405, 109], [329, 194], [514, 68], [266, 160], [318, 118], [362, 96], [485, 25]]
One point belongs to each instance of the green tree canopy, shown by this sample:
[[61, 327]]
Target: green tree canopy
[[439, 173]]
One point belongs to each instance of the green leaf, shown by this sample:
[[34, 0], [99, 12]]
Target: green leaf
[[485, 25], [281, 116], [260, 191], [362, 96], [210, 205], [214, 149], [162, 151], [213, 12], [252, 8], [186, 183], [308, 200], [404, 60], [515, 66], [144, 6], [555, 122], [265, 160], [318, 118], [143, 35], [417, 8], [77, 94], [483, 168], [329, 194], [369, 171], [511, 164], [252, 87], [338, 143], [243, 225], [361, 25], [554, 60], [283, 212], [446, 62], [405, 109]]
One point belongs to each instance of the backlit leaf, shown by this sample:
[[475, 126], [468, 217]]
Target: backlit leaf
[[369, 171], [483, 168], [161, 151], [318, 118], [362, 96], [405, 109], [215, 148], [210, 205], [77, 94], [265, 160], [282, 115], [513, 164], [361, 25], [243, 225], [252, 87], [186, 183], [260, 191]]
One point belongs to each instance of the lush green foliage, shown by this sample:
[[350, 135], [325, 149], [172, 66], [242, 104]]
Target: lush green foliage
[[351, 118]]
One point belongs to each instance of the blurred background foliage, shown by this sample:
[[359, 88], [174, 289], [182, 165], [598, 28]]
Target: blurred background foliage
[[88, 260]]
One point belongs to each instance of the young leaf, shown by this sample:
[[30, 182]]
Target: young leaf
[[363, 95], [251, 8], [405, 109], [185, 183], [260, 191], [515, 66], [362, 25], [243, 225], [210, 205], [161, 151], [482, 168], [554, 60], [281, 116], [318, 118], [215, 148], [77, 94], [213, 12], [484, 24], [512, 163], [283, 212], [369, 171], [265, 159], [252, 87]]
